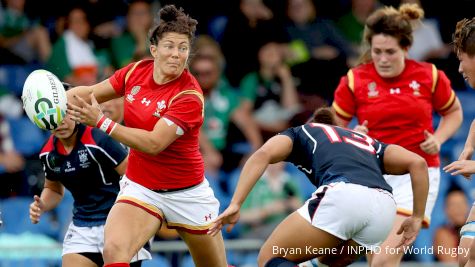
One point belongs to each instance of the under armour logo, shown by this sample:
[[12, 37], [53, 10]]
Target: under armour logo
[[145, 101], [394, 91], [208, 217]]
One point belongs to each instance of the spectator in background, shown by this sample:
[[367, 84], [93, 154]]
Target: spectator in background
[[73, 58], [393, 99], [21, 39], [254, 21], [269, 94], [448, 235], [11, 163], [273, 198], [222, 105], [428, 42], [328, 50], [132, 45], [352, 23]]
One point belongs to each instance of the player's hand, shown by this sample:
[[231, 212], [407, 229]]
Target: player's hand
[[84, 112], [36, 209], [409, 230], [362, 128], [466, 153], [431, 145], [463, 167], [229, 216]]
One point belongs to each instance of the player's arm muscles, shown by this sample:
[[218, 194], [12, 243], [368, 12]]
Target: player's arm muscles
[[102, 91], [274, 150], [52, 194], [398, 160]]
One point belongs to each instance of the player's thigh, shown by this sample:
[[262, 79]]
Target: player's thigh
[[77, 260], [128, 227], [206, 250], [388, 247], [297, 240]]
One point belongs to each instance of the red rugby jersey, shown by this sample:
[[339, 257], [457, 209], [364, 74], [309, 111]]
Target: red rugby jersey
[[146, 102], [398, 109]]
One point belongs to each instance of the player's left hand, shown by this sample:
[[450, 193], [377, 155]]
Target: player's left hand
[[409, 230], [229, 216], [84, 112], [462, 167], [431, 145]]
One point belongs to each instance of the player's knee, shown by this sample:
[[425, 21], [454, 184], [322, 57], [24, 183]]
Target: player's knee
[[113, 251]]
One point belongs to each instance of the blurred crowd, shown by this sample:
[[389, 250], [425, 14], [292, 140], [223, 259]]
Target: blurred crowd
[[263, 66]]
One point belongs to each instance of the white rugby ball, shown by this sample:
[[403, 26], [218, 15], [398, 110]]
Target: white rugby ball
[[44, 99]]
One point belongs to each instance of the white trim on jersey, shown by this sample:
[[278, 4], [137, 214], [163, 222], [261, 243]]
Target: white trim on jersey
[[311, 138], [103, 151], [97, 162]]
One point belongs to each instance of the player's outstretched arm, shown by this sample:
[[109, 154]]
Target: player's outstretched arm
[[274, 150], [398, 160], [102, 91]]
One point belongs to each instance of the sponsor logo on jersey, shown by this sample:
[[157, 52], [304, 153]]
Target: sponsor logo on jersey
[[135, 90], [160, 107], [372, 92], [69, 167], [394, 91], [415, 87], [145, 101]]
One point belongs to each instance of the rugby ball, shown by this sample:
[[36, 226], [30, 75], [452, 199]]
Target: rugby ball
[[44, 99]]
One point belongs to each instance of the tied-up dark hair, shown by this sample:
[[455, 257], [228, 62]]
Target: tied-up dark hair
[[174, 20], [464, 37]]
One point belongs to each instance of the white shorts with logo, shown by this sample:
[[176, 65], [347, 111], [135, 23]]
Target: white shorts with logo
[[192, 209], [350, 211], [91, 239], [402, 192]]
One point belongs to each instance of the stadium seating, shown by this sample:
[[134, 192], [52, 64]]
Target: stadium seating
[[12, 77], [28, 138]]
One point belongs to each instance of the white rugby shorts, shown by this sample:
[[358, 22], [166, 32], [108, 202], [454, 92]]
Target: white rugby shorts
[[351, 211], [192, 209], [402, 192], [91, 239]]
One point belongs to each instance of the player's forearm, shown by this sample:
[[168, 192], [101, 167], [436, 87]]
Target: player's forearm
[[420, 186], [139, 139], [251, 172], [50, 198]]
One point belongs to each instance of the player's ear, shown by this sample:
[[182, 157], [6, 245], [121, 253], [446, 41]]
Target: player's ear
[[153, 50]]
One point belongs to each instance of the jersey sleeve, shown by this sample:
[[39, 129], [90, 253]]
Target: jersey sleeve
[[118, 79], [344, 102], [292, 135], [111, 151], [48, 167], [186, 111], [444, 96]]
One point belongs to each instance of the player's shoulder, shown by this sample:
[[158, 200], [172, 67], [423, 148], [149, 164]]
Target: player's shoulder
[[48, 146], [413, 65]]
